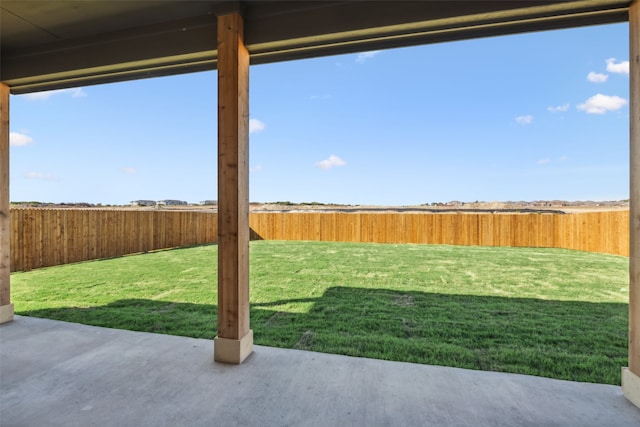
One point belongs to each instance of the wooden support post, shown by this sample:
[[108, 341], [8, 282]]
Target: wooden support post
[[631, 375], [235, 340], [6, 308]]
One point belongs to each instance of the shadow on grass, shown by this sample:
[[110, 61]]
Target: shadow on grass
[[559, 339]]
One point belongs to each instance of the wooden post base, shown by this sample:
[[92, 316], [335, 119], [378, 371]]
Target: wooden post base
[[631, 386], [6, 313], [232, 351]]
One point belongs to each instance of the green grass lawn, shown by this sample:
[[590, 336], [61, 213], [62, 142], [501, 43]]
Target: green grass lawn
[[548, 312]]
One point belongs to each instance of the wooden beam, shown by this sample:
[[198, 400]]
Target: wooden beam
[[6, 308], [631, 375], [634, 217], [235, 340]]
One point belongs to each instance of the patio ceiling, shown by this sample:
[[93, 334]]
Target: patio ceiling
[[48, 45]]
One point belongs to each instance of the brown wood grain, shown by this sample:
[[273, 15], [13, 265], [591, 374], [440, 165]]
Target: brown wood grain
[[634, 209], [5, 221], [233, 178]]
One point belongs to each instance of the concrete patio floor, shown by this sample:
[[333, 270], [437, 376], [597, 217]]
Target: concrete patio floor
[[64, 374]]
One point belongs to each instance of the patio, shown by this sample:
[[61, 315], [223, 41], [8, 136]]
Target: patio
[[63, 374]]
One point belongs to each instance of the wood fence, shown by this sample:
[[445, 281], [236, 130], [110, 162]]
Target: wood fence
[[46, 237], [606, 232]]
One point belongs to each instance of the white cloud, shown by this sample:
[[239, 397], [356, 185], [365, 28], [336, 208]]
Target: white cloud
[[256, 125], [594, 77], [600, 104], [559, 108], [257, 168], [331, 162], [77, 92], [621, 67], [563, 158], [128, 170], [19, 139], [365, 56], [524, 120], [543, 161], [40, 176]]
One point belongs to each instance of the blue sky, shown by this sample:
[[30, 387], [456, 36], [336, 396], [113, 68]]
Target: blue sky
[[534, 116]]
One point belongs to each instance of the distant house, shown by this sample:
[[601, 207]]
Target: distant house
[[172, 202], [209, 202], [143, 203]]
